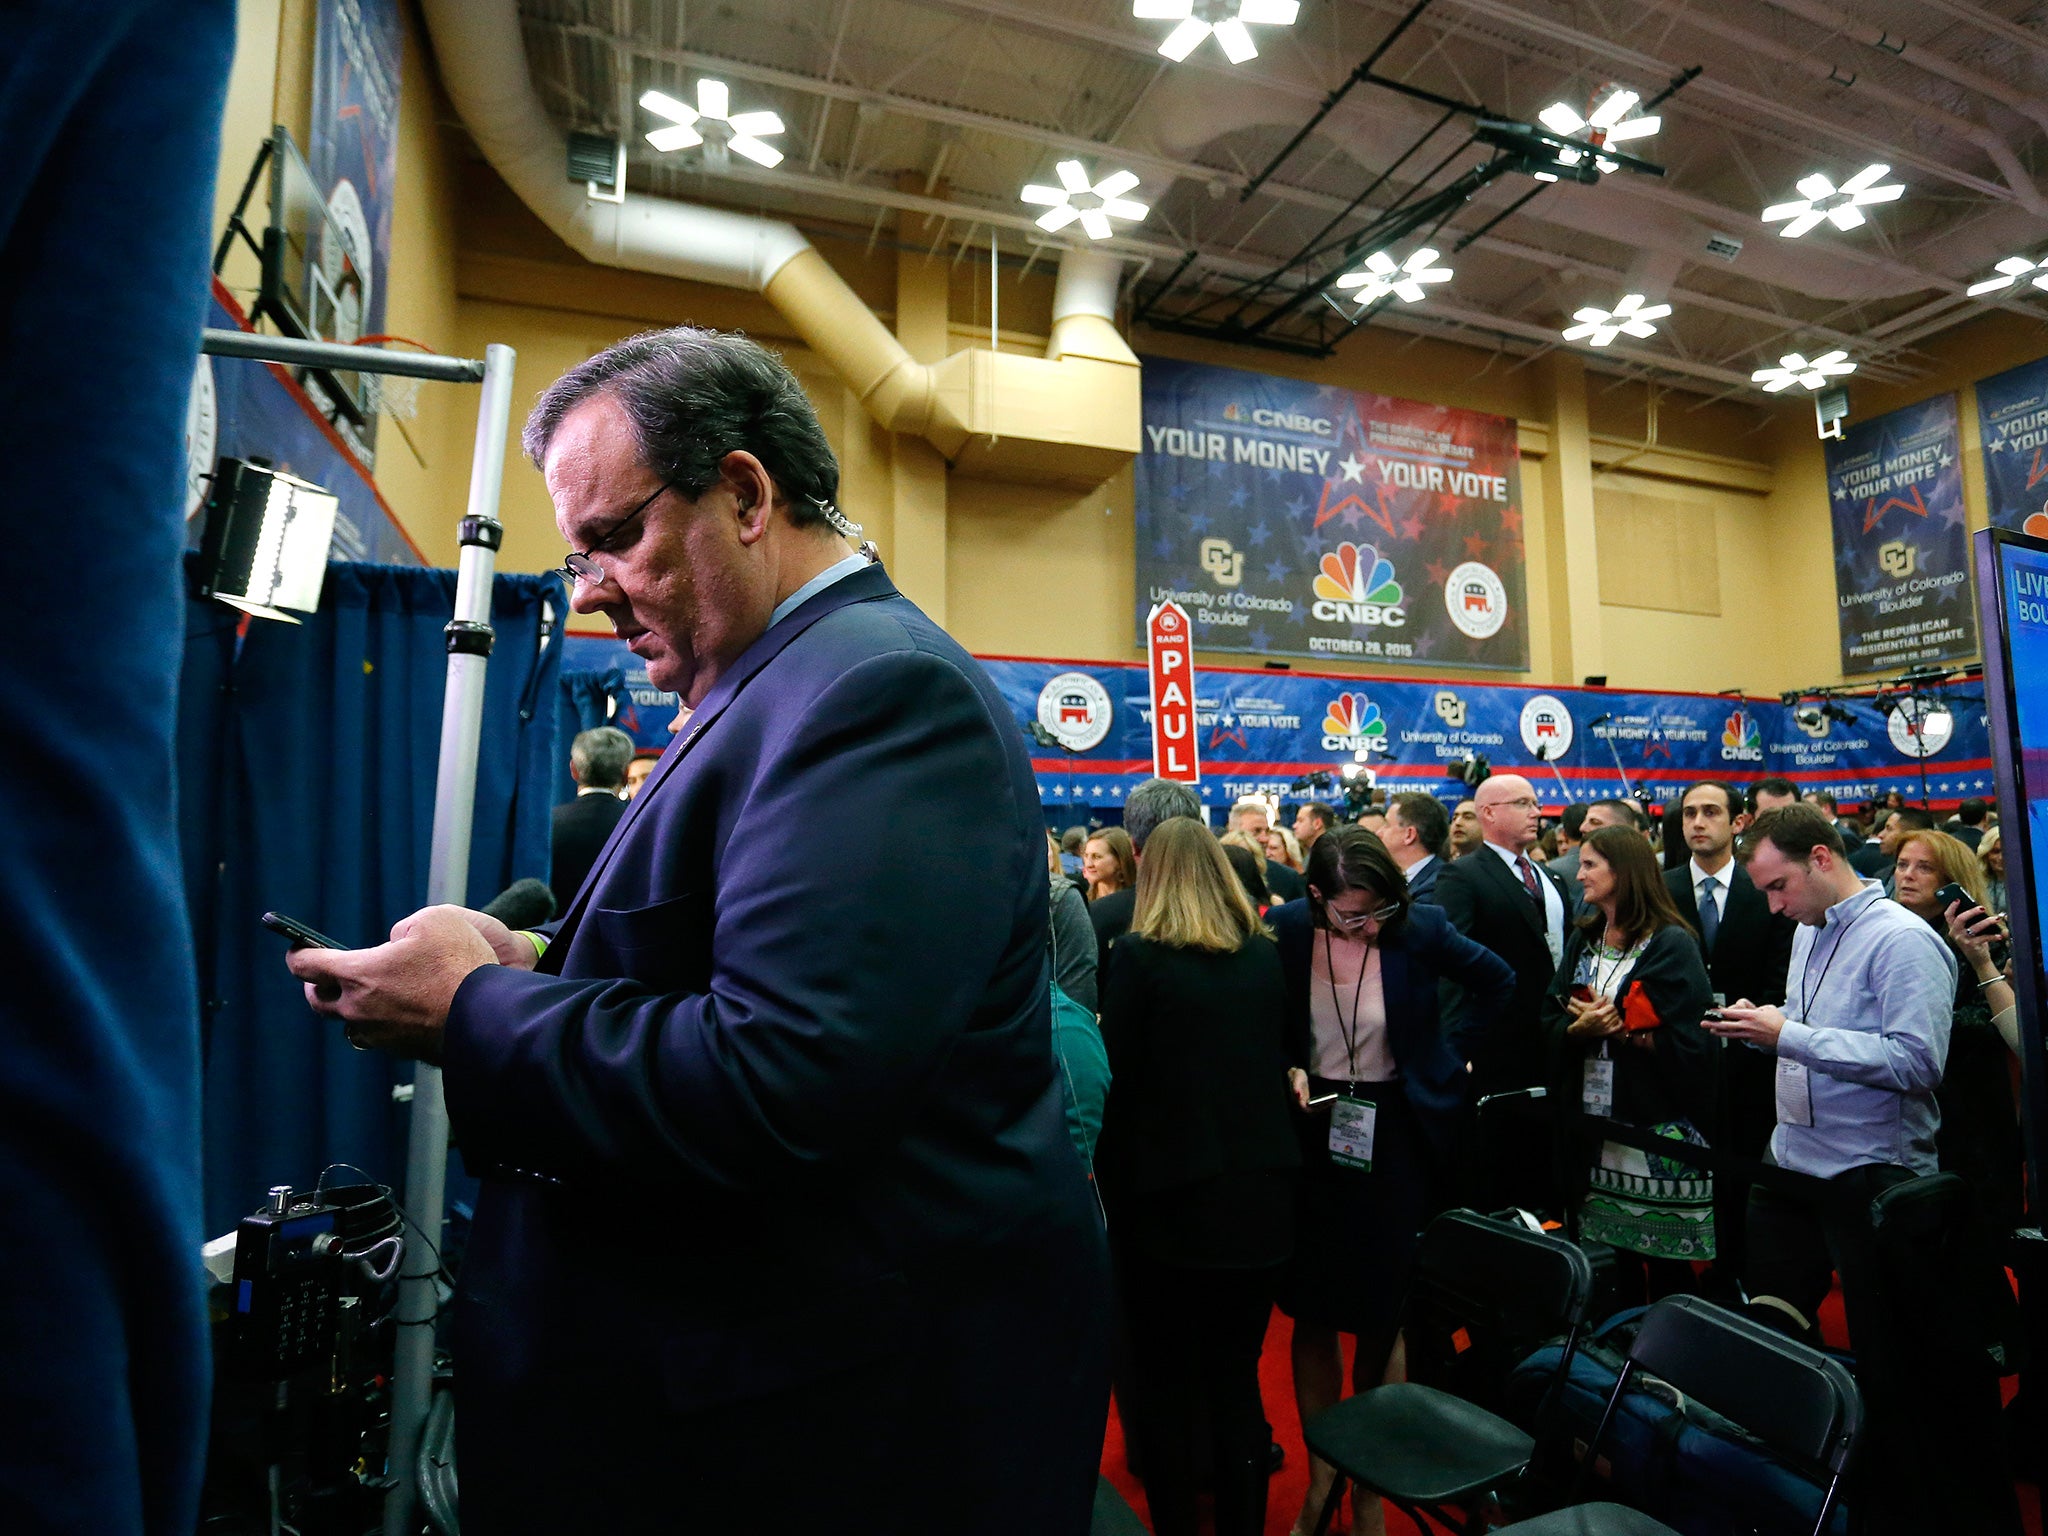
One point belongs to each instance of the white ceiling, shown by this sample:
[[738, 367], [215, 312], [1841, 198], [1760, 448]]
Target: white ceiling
[[977, 97]]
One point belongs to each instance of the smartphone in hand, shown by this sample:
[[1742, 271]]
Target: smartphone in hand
[[1953, 892], [300, 933]]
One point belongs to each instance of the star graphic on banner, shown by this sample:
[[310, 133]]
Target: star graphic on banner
[[1475, 546], [1260, 640], [1098, 789], [1259, 532], [1910, 501], [1273, 474], [1239, 496], [1996, 445], [1180, 490], [1511, 521], [1162, 547], [1841, 493], [1436, 573], [1056, 791], [1353, 470], [1351, 517], [1215, 466], [1199, 523], [1298, 506], [1947, 459], [1412, 527], [1276, 571], [1425, 643]]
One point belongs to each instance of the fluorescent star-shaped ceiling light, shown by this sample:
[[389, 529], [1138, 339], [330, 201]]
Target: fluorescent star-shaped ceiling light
[[1405, 280], [1794, 369], [710, 123], [1840, 206], [2011, 270], [1608, 122], [1631, 317], [1093, 203], [1229, 20]]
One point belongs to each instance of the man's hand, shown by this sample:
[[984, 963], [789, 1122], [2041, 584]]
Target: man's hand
[[395, 996], [1741, 1021], [510, 948]]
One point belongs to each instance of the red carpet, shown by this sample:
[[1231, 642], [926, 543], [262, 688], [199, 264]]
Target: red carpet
[[1291, 1482]]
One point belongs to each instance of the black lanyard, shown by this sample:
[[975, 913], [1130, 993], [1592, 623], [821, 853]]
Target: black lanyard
[[1807, 996], [1350, 1031]]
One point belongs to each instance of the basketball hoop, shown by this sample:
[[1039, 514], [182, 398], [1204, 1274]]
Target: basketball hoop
[[392, 394]]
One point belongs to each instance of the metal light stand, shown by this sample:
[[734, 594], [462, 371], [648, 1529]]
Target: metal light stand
[[469, 648]]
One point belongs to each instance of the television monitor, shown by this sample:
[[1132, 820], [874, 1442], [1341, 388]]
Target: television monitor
[[2012, 593]]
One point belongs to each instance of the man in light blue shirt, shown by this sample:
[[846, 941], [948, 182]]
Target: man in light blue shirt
[[1861, 1043]]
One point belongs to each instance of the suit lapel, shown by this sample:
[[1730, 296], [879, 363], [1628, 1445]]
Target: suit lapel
[[1505, 878], [860, 587]]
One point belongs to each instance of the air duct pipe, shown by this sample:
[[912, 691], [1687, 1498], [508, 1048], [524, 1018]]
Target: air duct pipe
[[975, 407]]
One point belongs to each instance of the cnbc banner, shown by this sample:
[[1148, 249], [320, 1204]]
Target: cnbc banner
[[1902, 553], [2012, 423], [1294, 519]]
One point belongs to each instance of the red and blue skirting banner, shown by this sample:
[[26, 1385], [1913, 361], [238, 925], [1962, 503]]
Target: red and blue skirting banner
[[1258, 732]]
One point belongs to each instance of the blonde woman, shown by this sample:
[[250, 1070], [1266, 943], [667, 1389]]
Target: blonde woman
[[1108, 863], [1197, 1161], [1979, 1136], [1281, 847]]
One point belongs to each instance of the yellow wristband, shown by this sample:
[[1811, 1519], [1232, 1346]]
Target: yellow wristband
[[540, 945]]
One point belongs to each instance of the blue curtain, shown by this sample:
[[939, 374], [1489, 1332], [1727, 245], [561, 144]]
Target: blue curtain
[[583, 702], [307, 761]]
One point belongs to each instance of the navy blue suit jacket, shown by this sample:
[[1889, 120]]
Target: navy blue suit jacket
[[1424, 950], [788, 1064]]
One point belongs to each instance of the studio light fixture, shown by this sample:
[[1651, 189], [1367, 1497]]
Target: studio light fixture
[[1228, 20], [1631, 317], [1094, 203], [2010, 271], [712, 124], [1606, 121], [1794, 369], [1382, 275], [1841, 206]]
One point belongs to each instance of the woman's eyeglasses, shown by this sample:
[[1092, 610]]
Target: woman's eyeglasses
[[1351, 922]]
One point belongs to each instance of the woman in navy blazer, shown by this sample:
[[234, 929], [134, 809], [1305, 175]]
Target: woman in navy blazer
[[1361, 963]]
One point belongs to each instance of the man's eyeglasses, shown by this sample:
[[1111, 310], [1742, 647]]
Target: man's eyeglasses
[[1523, 804], [580, 567]]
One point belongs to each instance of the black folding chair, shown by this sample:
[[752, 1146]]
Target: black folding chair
[[1484, 1294], [1800, 1403]]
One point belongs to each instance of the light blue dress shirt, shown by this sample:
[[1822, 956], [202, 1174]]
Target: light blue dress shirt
[[1869, 999], [815, 585]]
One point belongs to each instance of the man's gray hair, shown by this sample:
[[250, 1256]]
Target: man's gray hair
[[599, 757], [1154, 801], [693, 397]]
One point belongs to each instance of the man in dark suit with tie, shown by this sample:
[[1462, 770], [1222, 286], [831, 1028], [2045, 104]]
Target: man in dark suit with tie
[[777, 1183], [597, 762], [1747, 948], [1499, 897]]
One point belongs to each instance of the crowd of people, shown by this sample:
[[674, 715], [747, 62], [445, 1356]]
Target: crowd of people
[[1320, 1033]]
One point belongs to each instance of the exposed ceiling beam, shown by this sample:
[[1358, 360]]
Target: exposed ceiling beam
[[1997, 26]]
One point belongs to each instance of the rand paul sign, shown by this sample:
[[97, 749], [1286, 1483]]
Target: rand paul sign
[[1297, 519]]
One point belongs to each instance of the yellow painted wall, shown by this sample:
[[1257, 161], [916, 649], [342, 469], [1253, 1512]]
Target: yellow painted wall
[[1032, 570]]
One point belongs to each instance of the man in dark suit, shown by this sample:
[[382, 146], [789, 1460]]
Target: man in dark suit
[[1152, 802], [1499, 897], [1250, 816], [776, 1177], [1416, 831], [597, 762], [1747, 947], [1502, 899]]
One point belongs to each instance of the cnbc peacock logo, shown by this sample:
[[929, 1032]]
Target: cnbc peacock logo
[[1741, 741], [1353, 723], [1356, 585]]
